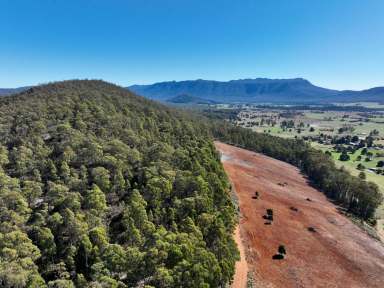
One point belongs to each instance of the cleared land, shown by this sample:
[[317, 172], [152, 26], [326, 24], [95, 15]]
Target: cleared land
[[323, 247], [323, 122]]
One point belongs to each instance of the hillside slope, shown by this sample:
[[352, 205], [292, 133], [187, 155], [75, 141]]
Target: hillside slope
[[318, 239], [257, 90], [102, 188]]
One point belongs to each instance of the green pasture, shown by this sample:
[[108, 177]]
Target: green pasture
[[352, 164]]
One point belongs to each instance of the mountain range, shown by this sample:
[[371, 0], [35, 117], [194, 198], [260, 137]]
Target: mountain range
[[10, 91], [259, 90]]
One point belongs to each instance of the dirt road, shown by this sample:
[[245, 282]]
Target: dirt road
[[323, 247]]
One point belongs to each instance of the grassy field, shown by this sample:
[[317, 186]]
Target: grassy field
[[362, 104], [351, 167], [325, 123]]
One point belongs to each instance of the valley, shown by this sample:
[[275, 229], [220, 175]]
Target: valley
[[191, 144], [323, 247]]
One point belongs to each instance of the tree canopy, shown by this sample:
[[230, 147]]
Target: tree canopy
[[102, 188]]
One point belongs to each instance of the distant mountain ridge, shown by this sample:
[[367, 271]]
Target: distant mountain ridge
[[297, 90], [10, 91], [259, 90]]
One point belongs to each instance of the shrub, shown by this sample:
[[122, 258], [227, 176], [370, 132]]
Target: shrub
[[282, 250]]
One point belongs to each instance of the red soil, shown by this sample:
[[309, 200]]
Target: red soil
[[240, 278], [337, 254]]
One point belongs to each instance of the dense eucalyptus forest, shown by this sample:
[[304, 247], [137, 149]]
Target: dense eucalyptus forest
[[357, 196], [102, 188]]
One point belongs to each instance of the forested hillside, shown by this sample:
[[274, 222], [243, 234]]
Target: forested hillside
[[102, 188], [357, 196]]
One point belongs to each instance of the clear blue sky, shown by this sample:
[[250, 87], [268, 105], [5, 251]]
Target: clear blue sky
[[333, 43]]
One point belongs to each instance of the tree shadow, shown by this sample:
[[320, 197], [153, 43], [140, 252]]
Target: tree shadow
[[278, 257]]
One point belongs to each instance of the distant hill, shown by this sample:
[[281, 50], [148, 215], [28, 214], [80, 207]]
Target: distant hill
[[371, 95], [264, 90], [188, 99], [10, 91]]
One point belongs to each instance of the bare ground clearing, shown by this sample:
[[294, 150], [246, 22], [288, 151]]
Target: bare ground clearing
[[336, 253]]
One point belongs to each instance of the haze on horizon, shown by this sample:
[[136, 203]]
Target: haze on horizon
[[334, 44]]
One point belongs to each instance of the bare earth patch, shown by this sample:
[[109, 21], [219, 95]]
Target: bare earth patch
[[240, 278], [323, 247]]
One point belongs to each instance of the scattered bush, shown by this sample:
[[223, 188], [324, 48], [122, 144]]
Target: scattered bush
[[311, 229], [294, 209], [281, 249], [278, 257], [281, 252]]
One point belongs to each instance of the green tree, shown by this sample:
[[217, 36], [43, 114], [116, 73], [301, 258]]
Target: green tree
[[344, 156], [95, 199]]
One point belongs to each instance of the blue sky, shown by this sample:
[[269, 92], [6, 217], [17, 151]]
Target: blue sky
[[332, 43]]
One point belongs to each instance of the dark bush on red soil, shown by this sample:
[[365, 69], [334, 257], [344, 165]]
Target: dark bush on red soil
[[280, 253], [311, 229], [278, 257], [268, 217], [294, 209]]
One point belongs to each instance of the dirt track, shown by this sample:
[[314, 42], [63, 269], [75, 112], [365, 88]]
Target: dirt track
[[240, 279], [337, 254]]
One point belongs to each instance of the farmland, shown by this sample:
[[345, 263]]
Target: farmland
[[311, 123], [370, 170]]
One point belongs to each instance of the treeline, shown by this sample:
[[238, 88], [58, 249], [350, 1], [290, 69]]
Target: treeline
[[359, 197], [101, 188], [323, 108]]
